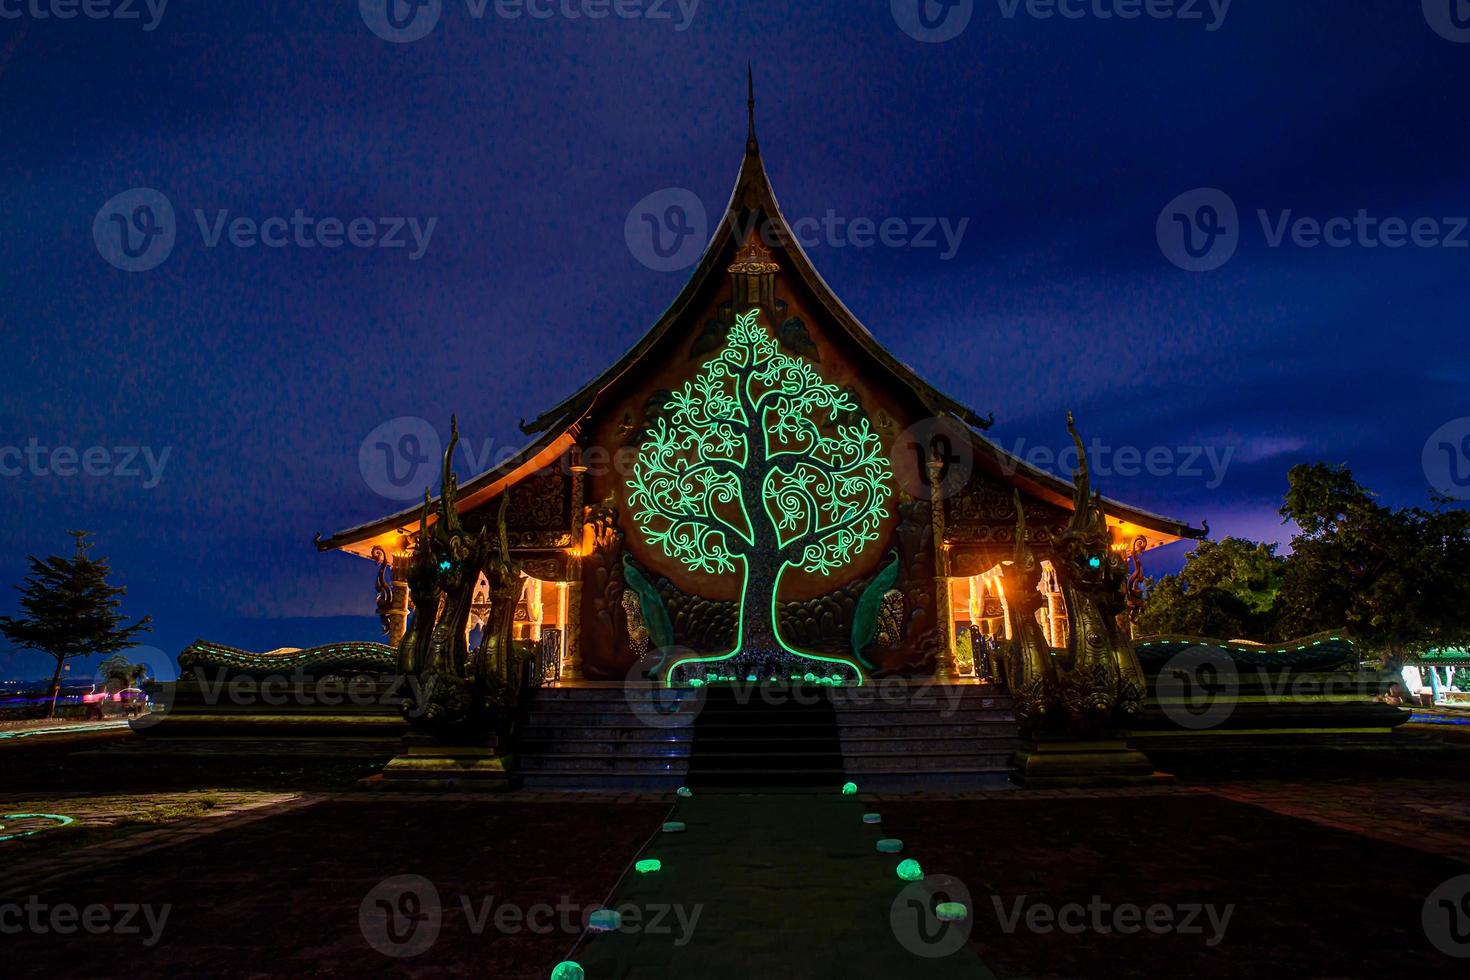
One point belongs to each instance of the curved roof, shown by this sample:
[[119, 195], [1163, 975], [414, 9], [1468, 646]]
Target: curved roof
[[556, 428]]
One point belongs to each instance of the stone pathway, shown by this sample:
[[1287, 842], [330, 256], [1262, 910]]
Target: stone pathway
[[775, 887]]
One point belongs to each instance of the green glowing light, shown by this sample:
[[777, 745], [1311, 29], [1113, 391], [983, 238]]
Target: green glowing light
[[849, 789], [890, 845], [696, 683], [872, 818], [1094, 562], [809, 677], [951, 912], [909, 870], [759, 430], [59, 822], [648, 866], [685, 791], [605, 920], [675, 827], [568, 971]]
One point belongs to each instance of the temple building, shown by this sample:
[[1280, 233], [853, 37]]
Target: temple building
[[759, 487]]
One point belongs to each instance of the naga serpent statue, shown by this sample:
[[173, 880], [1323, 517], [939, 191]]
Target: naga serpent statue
[[1096, 684], [456, 692]]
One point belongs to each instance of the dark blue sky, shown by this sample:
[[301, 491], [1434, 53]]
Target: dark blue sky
[[261, 370]]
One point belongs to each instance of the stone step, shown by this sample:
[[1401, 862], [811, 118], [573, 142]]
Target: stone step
[[935, 762], [581, 762]]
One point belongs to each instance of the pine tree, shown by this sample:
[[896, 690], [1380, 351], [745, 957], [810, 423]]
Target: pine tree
[[71, 611]]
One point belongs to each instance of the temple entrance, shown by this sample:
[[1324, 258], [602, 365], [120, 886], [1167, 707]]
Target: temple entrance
[[980, 621]]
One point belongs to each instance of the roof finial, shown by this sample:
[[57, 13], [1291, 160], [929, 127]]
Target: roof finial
[[750, 144]]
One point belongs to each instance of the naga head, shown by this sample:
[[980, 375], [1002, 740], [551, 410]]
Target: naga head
[[1022, 577], [1085, 548]]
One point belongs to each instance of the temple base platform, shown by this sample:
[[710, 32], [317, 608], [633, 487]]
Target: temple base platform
[[1069, 763], [427, 764]]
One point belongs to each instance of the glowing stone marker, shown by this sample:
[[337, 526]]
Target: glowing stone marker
[[909, 870], [890, 845], [685, 791], [951, 912], [849, 789], [648, 866], [675, 827], [872, 818], [605, 920], [568, 971]]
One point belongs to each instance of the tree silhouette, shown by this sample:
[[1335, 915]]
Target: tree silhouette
[[71, 610], [756, 466]]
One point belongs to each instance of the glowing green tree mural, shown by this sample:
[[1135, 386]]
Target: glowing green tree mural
[[755, 466]]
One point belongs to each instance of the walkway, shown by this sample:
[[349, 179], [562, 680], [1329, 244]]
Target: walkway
[[778, 886]]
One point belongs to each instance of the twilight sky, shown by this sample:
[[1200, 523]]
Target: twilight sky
[[250, 375]]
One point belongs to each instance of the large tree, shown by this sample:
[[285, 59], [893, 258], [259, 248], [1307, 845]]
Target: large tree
[[71, 611], [1225, 589], [756, 466], [1397, 578]]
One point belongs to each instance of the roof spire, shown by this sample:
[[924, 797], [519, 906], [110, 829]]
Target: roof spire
[[750, 144]]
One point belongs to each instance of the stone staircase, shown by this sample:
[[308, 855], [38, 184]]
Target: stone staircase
[[927, 737], [886, 738], [606, 738]]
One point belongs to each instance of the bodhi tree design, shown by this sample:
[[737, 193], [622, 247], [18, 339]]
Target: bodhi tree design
[[755, 466]]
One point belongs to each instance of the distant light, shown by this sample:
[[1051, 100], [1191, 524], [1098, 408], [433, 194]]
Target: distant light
[[675, 827], [849, 789], [872, 818], [648, 866], [568, 971], [909, 870], [951, 912], [890, 845]]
